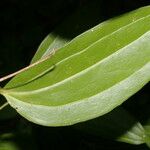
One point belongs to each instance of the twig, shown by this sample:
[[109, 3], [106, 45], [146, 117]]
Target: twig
[[26, 68]]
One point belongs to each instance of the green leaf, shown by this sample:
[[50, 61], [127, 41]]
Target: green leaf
[[49, 44], [16, 137], [90, 76], [147, 134], [118, 125], [135, 135], [72, 27], [9, 145], [17, 141]]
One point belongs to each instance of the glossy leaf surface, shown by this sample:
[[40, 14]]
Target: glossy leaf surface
[[90, 76]]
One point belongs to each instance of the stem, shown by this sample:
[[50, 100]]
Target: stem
[[26, 68], [4, 105]]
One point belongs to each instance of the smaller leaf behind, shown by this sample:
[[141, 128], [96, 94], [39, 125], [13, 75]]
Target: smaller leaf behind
[[118, 125], [147, 132]]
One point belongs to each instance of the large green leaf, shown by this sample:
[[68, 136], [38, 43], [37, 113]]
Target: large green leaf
[[90, 76], [76, 24], [119, 124]]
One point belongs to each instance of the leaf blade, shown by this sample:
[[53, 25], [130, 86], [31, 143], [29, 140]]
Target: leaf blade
[[75, 91], [47, 45], [67, 115], [71, 47]]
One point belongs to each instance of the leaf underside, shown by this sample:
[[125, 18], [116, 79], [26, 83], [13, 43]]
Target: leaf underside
[[88, 77]]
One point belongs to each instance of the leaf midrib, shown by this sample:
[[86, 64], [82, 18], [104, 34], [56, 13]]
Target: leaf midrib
[[5, 93]]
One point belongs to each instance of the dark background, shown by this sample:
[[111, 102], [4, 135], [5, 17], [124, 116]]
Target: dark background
[[24, 24]]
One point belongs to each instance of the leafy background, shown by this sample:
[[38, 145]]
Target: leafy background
[[24, 24]]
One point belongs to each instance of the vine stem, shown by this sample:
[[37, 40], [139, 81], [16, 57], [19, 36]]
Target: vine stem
[[26, 68], [4, 105]]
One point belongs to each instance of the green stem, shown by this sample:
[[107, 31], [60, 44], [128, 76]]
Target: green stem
[[4, 105]]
